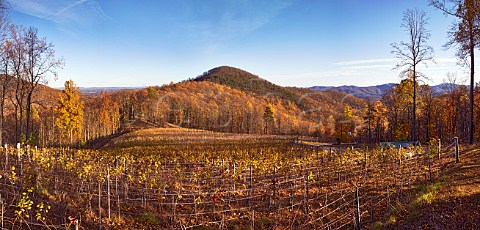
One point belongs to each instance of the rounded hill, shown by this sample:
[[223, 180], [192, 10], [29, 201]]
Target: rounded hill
[[244, 81]]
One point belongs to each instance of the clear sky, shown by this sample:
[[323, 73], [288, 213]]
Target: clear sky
[[288, 42]]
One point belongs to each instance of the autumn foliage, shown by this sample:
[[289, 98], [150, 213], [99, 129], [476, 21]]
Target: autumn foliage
[[330, 116], [70, 111]]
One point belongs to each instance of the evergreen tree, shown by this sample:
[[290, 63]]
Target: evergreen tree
[[268, 116]]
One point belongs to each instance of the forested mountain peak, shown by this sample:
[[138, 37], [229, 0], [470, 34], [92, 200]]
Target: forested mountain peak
[[227, 72], [242, 80], [305, 99]]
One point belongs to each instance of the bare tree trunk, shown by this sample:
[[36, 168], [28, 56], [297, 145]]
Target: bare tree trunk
[[414, 113], [19, 121], [19, 96], [5, 83], [1, 124], [472, 82], [2, 116], [28, 111]]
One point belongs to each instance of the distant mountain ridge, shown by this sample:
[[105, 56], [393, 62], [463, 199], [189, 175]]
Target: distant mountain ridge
[[373, 92], [98, 90], [248, 82], [365, 92]]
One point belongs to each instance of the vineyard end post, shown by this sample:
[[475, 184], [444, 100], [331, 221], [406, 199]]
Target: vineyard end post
[[357, 204], [306, 193], [99, 205], [2, 210], [456, 149], [108, 191], [439, 147]]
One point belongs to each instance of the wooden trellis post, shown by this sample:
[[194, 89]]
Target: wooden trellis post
[[357, 204], [19, 158], [116, 187], [253, 219], [108, 191], [306, 193], [292, 197], [439, 147], [233, 179], [274, 187], [400, 155], [125, 183], [251, 187], [99, 205], [2, 210], [455, 139], [6, 158]]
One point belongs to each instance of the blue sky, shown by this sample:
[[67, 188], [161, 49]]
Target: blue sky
[[289, 42]]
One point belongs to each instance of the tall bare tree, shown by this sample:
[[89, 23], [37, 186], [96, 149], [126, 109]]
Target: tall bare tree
[[40, 63], [413, 52], [5, 46], [465, 35], [17, 58]]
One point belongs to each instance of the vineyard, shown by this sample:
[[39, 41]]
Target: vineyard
[[199, 180]]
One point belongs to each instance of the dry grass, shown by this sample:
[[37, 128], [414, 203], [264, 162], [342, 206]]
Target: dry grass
[[177, 135], [452, 201]]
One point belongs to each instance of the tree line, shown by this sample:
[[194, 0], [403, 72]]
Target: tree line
[[438, 116], [33, 113], [27, 60], [464, 35], [210, 106]]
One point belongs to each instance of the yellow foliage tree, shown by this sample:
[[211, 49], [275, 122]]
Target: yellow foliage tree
[[345, 126], [70, 110], [348, 112]]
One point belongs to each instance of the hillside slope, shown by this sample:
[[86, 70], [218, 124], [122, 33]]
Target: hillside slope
[[44, 100], [450, 202], [246, 82], [305, 99], [227, 99]]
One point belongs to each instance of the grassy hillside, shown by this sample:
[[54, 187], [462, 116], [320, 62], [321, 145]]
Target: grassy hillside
[[452, 201], [183, 136]]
